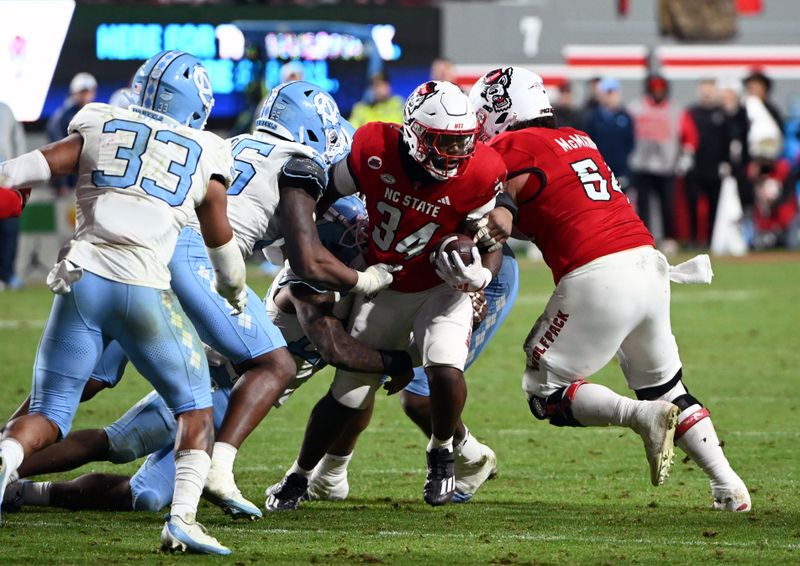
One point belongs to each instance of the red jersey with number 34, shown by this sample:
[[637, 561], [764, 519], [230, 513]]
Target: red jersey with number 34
[[572, 206], [407, 218]]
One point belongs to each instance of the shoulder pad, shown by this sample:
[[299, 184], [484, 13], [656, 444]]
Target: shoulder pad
[[303, 173]]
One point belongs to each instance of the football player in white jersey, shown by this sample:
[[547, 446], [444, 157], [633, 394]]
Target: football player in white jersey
[[143, 173], [148, 429]]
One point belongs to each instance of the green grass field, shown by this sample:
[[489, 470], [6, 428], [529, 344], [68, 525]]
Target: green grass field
[[563, 496]]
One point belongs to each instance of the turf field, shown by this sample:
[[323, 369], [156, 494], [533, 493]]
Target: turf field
[[563, 496]]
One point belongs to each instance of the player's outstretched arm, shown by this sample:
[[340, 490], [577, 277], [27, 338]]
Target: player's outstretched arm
[[308, 258], [339, 349], [311, 261], [58, 158], [223, 251]]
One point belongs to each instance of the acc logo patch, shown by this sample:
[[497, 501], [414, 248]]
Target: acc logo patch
[[374, 162], [388, 179]]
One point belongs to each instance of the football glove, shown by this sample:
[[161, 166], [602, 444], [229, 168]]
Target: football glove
[[468, 278], [374, 278]]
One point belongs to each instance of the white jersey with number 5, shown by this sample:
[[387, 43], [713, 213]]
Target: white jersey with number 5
[[140, 180], [253, 195]]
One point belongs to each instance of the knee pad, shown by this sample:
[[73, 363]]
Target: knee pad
[[149, 500], [353, 390], [556, 407]]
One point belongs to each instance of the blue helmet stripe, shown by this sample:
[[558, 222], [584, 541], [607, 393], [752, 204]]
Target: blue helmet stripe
[[159, 69]]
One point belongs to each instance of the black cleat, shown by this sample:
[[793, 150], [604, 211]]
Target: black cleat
[[440, 485], [287, 493]]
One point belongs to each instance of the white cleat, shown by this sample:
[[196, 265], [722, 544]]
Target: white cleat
[[470, 476], [4, 481], [223, 493], [187, 535], [655, 422], [731, 497], [330, 487]]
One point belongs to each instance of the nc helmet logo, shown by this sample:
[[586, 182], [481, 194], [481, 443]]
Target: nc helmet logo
[[203, 84], [326, 109]]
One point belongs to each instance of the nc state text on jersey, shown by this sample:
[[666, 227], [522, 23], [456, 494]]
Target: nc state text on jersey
[[413, 203]]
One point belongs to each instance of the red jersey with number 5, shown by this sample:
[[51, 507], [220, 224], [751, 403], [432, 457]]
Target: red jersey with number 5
[[572, 206], [408, 212]]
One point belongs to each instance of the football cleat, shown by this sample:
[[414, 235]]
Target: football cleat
[[12, 498], [225, 495], [286, 494], [187, 535], [331, 487], [4, 481], [655, 422], [440, 484], [731, 497], [471, 475]]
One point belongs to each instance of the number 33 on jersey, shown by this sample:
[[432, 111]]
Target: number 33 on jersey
[[140, 181]]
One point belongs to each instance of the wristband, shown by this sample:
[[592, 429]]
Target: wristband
[[504, 200], [395, 361]]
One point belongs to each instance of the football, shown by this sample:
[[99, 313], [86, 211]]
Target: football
[[460, 243]]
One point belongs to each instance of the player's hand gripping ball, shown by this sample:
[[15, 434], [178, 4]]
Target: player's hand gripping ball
[[458, 262]]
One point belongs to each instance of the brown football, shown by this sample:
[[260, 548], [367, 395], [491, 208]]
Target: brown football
[[460, 243]]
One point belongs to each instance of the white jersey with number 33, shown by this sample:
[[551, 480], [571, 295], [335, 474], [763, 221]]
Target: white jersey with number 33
[[140, 180]]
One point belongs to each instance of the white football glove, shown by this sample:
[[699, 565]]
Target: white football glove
[[480, 307], [62, 276], [374, 278], [239, 303], [483, 236], [468, 278]]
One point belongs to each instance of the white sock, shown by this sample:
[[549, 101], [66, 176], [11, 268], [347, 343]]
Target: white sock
[[333, 465], [222, 458], [701, 444], [597, 405], [436, 443], [469, 449], [12, 453], [36, 493], [191, 471], [296, 469]]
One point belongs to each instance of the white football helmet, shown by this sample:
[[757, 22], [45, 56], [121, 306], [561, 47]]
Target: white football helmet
[[440, 128], [508, 95]]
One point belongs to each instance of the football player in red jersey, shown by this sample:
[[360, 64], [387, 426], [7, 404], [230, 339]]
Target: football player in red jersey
[[612, 291], [420, 181]]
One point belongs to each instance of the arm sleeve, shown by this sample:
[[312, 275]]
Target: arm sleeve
[[343, 179], [25, 170]]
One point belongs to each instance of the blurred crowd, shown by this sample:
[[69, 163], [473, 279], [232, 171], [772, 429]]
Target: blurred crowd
[[671, 161]]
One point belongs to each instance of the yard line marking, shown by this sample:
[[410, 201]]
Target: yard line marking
[[541, 537]]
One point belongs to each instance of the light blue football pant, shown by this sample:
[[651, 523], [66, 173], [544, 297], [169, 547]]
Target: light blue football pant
[[500, 296], [238, 338], [149, 324], [148, 429]]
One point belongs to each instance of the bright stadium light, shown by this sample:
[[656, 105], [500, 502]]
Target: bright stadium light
[[29, 50]]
